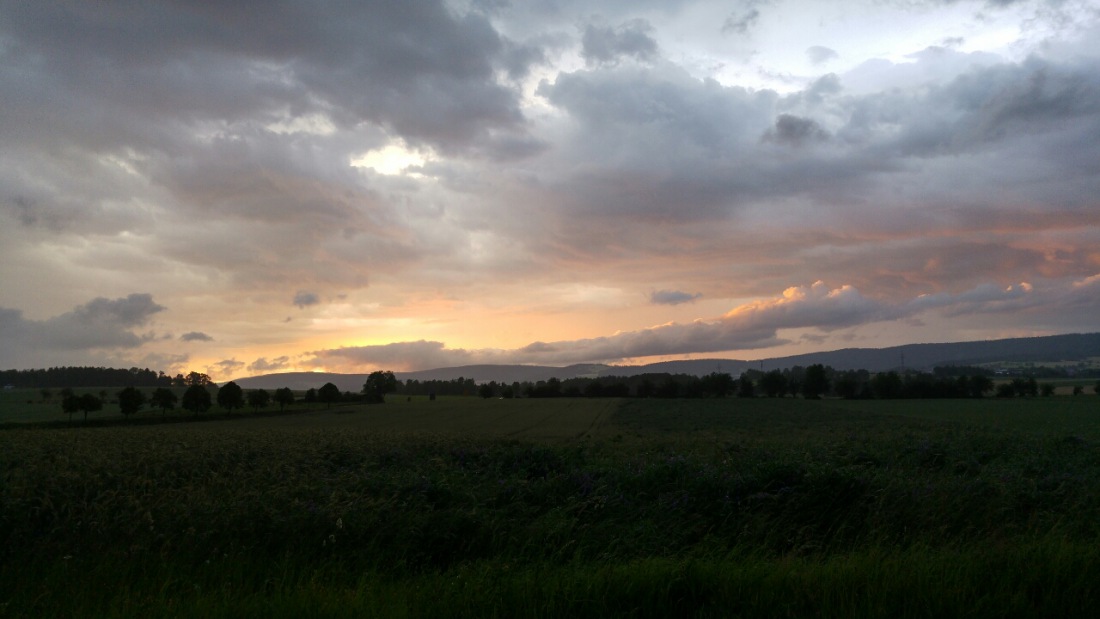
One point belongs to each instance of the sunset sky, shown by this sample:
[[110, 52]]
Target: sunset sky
[[243, 187]]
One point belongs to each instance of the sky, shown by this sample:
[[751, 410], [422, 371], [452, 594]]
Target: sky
[[239, 187]]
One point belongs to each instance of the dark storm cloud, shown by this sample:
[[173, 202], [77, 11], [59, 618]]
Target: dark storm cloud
[[416, 67], [604, 44]]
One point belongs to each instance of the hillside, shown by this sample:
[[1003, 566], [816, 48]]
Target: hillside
[[1049, 349]]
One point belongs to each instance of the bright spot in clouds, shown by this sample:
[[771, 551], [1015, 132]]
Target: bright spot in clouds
[[392, 159]]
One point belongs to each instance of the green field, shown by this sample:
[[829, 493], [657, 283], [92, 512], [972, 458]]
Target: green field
[[564, 507]]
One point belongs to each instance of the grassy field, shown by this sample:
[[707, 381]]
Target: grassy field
[[470, 508]]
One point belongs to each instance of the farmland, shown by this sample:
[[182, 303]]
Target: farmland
[[562, 507]]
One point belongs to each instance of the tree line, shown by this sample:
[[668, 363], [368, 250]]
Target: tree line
[[812, 382], [197, 398], [80, 377]]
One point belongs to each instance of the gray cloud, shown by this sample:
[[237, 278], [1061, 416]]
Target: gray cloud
[[421, 69], [794, 131], [99, 324], [226, 367], [741, 23], [193, 144], [196, 336], [304, 299], [134, 310], [401, 356], [603, 44], [263, 365], [819, 54], [672, 297]]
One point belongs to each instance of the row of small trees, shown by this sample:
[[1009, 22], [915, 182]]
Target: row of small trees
[[229, 397]]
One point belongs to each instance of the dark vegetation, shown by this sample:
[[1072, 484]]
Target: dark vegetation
[[811, 382], [815, 381], [645, 507], [83, 377]]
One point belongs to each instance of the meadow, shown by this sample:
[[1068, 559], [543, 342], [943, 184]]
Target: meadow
[[562, 507]]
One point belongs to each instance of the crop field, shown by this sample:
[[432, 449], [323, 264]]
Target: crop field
[[562, 507]]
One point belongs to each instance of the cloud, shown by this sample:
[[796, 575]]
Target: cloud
[[794, 131], [398, 356], [134, 310], [819, 54], [603, 44], [225, 367], [672, 297], [196, 336], [305, 299], [198, 148], [748, 326], [263, 365], [741, 23], [98, 324], [428, 71]]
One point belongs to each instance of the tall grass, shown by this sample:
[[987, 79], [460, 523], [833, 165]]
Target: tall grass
[[719, 511]]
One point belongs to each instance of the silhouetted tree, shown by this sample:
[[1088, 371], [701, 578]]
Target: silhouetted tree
[[198, 378], [164, 399], [886, 385], [774, 384], [284, 397], [745, 387], [130, 401], [979, 385], [718, 384], [196, 399], [378, 384], [70, 403], [258, 398], [487, 390], [90, 403], [328, 393], [1025, 387], [815, 382], [230, 396]]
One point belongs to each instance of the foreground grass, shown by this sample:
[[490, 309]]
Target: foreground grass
[[1046, 577], [644, 508]]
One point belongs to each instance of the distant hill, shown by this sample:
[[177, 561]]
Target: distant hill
[[1054, 348]]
